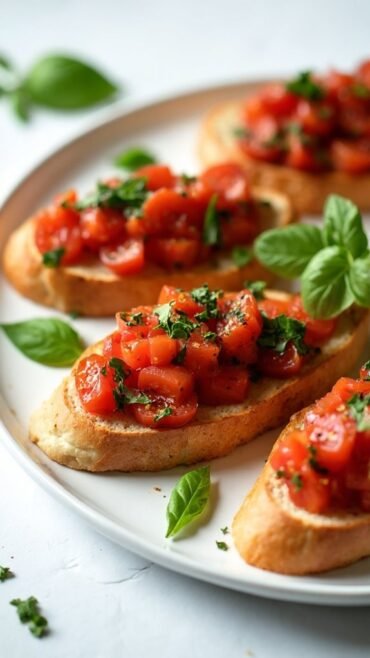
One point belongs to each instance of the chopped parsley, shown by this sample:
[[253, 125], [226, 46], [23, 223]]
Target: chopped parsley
[[297, 481], [207, 298], [312, 461], [166, 411], [180, 357], [278, 332], [210, 336], [5, 573], [366, 366], [132, 320], [53, 257], [304, 85], [225, 530], [187, 180], [280, 473], [241, 256], [174, 322], [212, 227], [360, 90], [28, 613], [241, 133], [358, 406], [121, 393], [128, 195], [257, 288], [222, 546]]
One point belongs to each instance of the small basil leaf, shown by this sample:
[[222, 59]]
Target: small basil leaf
[[188, 499], [257, 288], [66, 83], [53, 257], [343, 225], [212, 229], [134, 158], [359, 280], [287, 251], [49, 341], [325, 290], [241, 256], [304, 85], [21, 104]]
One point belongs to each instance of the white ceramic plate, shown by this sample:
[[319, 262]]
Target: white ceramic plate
[[130, 509]]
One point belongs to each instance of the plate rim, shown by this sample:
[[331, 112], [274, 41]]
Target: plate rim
[[320, 594]]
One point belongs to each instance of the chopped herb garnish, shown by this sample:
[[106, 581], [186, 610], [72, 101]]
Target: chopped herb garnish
[[180, 357], [241, 133], [304, 85], [257, 288], [128, 195], [53, 257], [312, 460], [207, 298], [278, 332], [222, 546], [104, 371], [225, 530], [166, 411], [358, 406], [134, 158], [241, 256], [28, 613], [366, 366], [212, 228], [132, 320], [210, 336], [5, 573], [187, 180], [297, 481], [175, 323], [360, 90], [280, 473], [121, 393]]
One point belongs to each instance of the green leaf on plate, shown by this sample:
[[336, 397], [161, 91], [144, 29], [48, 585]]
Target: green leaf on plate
[[188, 499]]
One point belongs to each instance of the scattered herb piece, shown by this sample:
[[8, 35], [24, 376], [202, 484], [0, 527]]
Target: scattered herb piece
[[52, 258], [241, 133], [122, 394], [297, 481], [280, 473], [241, 256], [5, 573], [225, 530], [304, 85], [360, 90], [188, 499], [28, 613], [49, 341], [134, 158], [222, 546], [129, 195], [212, 228], [366, 366], [210, 336], [359, 408], [175, 323], [180, 357], [312, 460], [188, 180], [133, 319], [278, 332], [257, 288], [166, 411], [207, 298]]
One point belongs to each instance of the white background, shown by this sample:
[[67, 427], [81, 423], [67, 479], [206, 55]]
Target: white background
[[101, 601]]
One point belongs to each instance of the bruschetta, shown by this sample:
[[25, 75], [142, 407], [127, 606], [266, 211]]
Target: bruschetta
[[310, 508], [117, 247], [307, 137], [194, 377]]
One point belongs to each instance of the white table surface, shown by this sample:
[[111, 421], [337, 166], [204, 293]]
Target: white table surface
[[101, 601]]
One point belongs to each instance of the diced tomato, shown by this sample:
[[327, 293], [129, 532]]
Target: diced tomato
[[280, 365], [226, 385], [289, 453], [264, 142], [278, 100], [181, 414], [172, 252], [337, 84], [95, 388], [125, 258], [346, 387], [58, 228], [99, 226], [352, 156], [363, 73], [301, 155], [317, 331], [201, 356], [311, 492], [157, 176], [365, 371], [135, 227], [326, 405], [229, 181], [240, 328], [274, 307], [240, 228], [332, 437], [183, 301], [173, 382], [316, 118], [162, 350], [69, 197], [136, 353], [112, 345], [165, 208], [254, 110], [140, 322]]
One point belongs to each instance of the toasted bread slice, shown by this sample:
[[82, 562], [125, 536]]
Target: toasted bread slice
[[71, 436], [272, 533], [306, 190], [93, 290]]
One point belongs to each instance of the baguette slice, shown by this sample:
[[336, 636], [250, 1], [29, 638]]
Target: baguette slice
[[93, 290], [75, 438], [307, 191], [272, 533]]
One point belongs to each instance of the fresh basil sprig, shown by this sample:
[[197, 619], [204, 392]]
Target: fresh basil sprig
[[134, 158], [49, 341], [333, 262], [59, 82], [188, 499]]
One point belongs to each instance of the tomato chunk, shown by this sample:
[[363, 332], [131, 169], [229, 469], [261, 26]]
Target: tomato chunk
[[95, 383], [157, 176], [332, 437], [240, 328], [228, 181], [162, 350], [351, 156], [58, 228], [280, 365], [126, 258], [226, 385], [180, 414], [182, 301], [99, 226], [173, 252], [173, 382], [112, 345], [136, 353]]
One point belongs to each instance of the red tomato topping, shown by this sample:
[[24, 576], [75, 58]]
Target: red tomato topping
[[228, 181], [333, 437], [58, 228], [182, 301], [226, 385], [173, 252], [240, 327], [162, 350], [280, 366], [181, 414], [126, 258], [112, 345], [95, 383], [99, 226], [173, 382], [157, 176], [317, 331], [351, 156]]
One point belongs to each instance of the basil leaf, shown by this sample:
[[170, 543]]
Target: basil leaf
[[65, 83], [257, 288], [130, 194], [134, 158], [21, 104], [174, 322], [49, 341], [188, 499], [287, 251], [325, 290], [359, 280], [53, 257], [212, 229], [241, 256], [343, 225], [303, 85]]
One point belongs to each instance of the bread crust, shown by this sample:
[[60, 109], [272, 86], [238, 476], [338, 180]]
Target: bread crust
[[271, 533], [75, 438], [93, 290], [306, 190]]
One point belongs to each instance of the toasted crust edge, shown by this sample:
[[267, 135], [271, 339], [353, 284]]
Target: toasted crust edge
[[307, 191], [94, 291], [70, 436]]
